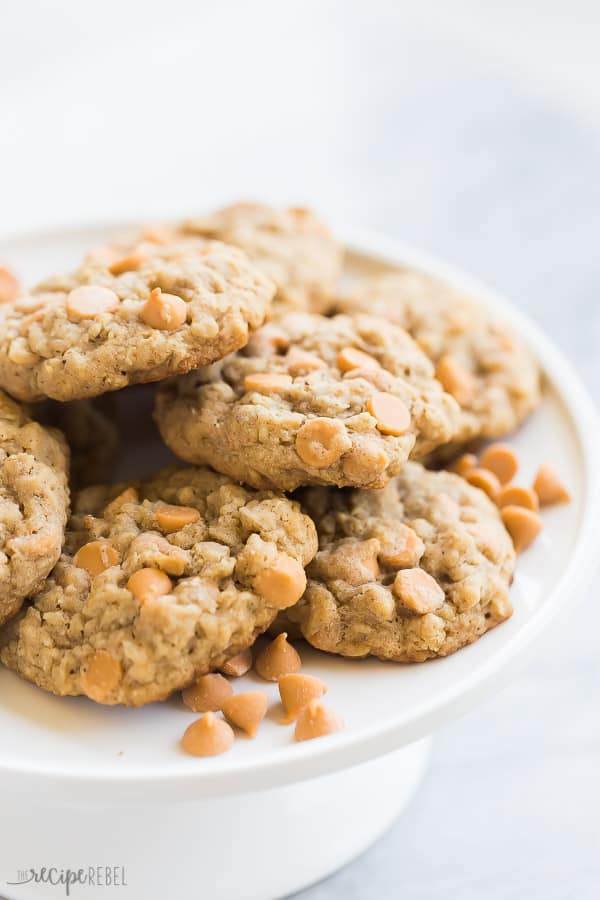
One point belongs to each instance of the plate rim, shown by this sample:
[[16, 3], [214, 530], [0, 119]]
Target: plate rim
[[311, 759]]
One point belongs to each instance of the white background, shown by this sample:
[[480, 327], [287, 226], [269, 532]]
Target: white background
[[471, 128]]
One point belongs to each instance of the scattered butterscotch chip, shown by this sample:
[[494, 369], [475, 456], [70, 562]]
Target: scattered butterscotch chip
[[208, 736], [390, 413], [282, 582], [418, 591], [207, 694], [485, 480], [102, 675], [522, 524], [9, 285], [400, 546], [277, 659], [96, 556], [351, 358], [246, 711], [173, 518], [455, 380], [148, 584], [316, 720], [320, 442], [464, 464], [549, 488], [267, 382], [166, 312], [128, 495], [128, 263], [89, 301], [299, 362], [296, 691], [239, 664], [516, 495], [501, 460]]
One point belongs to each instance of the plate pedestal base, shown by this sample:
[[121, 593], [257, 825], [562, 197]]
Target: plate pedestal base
[[258, 846]]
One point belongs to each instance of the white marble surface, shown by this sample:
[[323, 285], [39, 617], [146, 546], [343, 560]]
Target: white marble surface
[[458, 126]]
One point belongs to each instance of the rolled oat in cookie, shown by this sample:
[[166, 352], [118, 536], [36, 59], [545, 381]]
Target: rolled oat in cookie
[[311, 400], [292, 246], [160, 582], [478, 360], [34, 500], [411, 572], [165, 310]]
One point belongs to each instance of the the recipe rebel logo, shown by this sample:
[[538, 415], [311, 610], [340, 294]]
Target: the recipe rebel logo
[[67, 879]]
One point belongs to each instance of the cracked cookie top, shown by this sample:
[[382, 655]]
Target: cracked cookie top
[[311, 400], [159, 582], [154, 312]]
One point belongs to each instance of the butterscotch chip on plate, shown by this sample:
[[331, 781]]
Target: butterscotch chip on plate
[[438, 592], [102, 327], [363, 403], [292, 246], [34, 500], [133, 611], [478, 359]]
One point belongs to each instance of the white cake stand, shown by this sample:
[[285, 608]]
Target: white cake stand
[[88, 787]]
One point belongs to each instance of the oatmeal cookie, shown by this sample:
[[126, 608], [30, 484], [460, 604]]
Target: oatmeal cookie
[[310, 400], [479, 361], [411, 572], [167, 310], [291, 246], [158, 583], [34, 498]]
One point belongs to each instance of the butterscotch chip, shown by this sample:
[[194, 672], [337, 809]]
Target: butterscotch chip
[[128, 495], [239, 664], [267, 383], [96, 556], [164, 311], [350, 358], [34, 497], [102, 676], [456, 380], [296, 691], [208, 736], [485, 480], [321, 442], [515, 495], [445, 566], [464, 464], [95, 331], [391, 414], [522, 524], [89, 301], [128, 263], [549, 488], [172, 518], [501, 460], [148, 584], [316, 720], [281, 582], [277, 659], [418, 591], [246, 711], [165, 632], [207, 694], [321, 427], [9, 286]]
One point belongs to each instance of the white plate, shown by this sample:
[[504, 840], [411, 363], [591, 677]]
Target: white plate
[[72, 745]]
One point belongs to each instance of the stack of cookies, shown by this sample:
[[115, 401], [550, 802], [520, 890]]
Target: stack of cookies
[[311, 420]]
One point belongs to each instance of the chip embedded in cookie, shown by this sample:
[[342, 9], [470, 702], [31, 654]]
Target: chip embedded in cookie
[[311, 400], [160, 582], [34, 499], [166, 310], [478, 360], [292, 246], [415, 571]]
